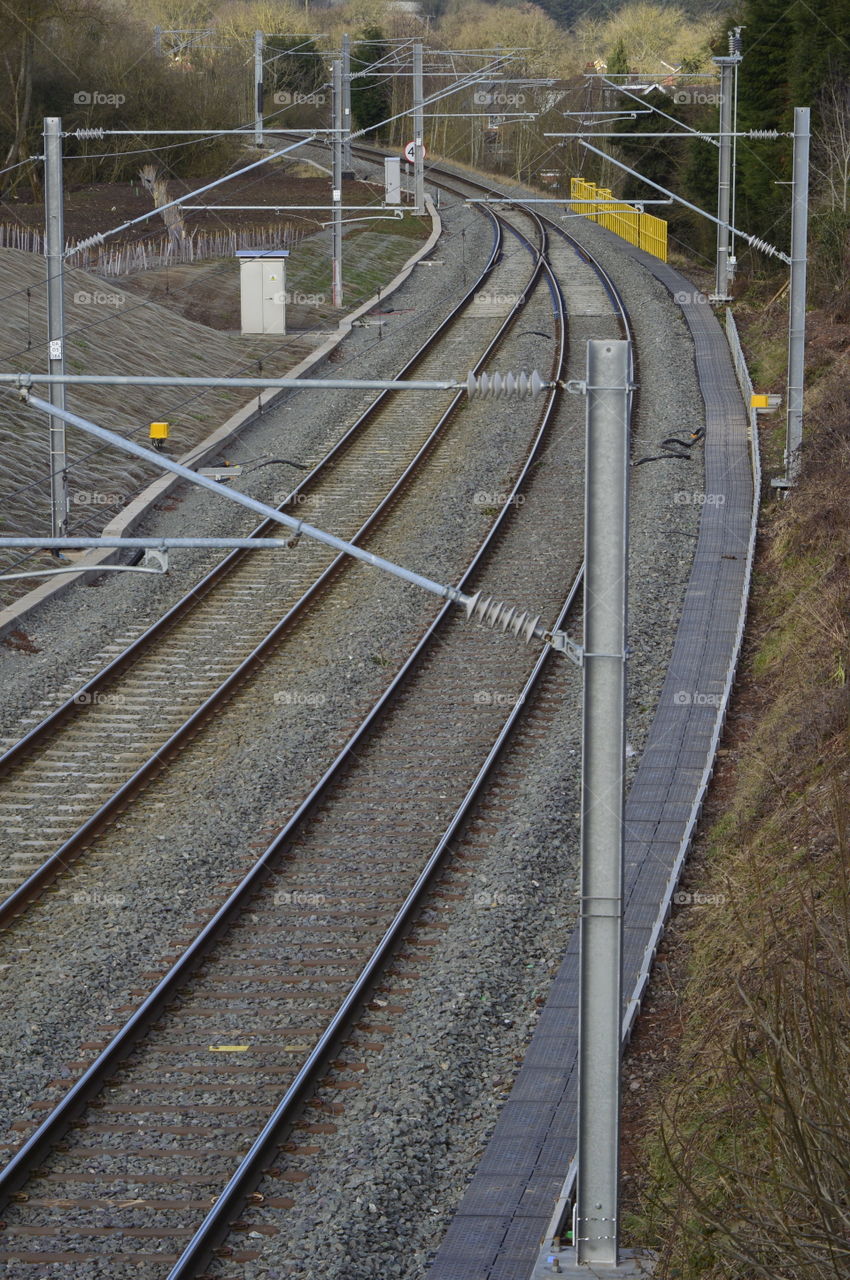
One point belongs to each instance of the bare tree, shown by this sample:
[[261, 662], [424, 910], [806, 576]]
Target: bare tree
[[831, 150], [17, 64], [155, 184], [33, 28]]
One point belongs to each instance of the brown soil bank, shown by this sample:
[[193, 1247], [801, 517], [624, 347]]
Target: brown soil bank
[[738, 1129]]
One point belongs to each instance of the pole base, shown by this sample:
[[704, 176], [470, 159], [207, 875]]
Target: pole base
[[634, 1264]]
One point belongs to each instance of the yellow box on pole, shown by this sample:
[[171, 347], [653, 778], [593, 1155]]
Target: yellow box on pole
[[759, 402], [158, 434]]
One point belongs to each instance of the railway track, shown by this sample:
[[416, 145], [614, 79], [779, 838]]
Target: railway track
[[113, 735], [335, 888], [469, 889]]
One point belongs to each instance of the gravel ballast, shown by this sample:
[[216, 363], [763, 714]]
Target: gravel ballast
[[383, 1191], [427, 1106], [74, 633], [106, 922]]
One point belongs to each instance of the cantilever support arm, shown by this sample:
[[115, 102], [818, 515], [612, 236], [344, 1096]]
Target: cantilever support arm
[[488, 611]]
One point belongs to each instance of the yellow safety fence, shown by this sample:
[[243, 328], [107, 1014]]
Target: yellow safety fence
[[641, 229]]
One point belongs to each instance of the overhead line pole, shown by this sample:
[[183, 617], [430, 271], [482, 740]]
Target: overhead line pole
[[55, 250], [797, 301], [259, 42], [735, 47], [418, 130], [336, 186], [724, 179], [347, 171], [605, 594]]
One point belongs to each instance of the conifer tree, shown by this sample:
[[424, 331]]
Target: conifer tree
[[370, 94], [764, 103]]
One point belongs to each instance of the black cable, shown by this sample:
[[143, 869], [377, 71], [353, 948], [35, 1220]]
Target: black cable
[[273, 462], [675, 449]]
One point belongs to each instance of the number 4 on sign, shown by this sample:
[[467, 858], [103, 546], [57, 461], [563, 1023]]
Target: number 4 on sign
[[410, 152]]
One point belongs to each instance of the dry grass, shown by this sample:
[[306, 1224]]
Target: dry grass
[[750, 1156]]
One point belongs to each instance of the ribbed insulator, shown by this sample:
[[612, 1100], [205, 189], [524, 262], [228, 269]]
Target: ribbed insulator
[[88, 243], [495, 613], [769, 249], [504, 386], [84, 134]]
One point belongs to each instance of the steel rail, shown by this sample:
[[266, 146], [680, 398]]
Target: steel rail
[[191, 598], [36, 1149], [371, 152], [75, 704], [229, 1203]]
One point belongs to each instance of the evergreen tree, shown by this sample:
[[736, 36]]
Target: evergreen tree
[[370, 94], [821, 49], [764, 103], [618, 63], [653, 157]]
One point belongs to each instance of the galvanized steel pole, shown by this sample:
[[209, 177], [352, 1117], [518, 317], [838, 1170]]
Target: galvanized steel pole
[[418, 130], [724, 179], [336, 184], [259, 42], [605, 595], [347, 171], [736, 45], [797, 305], [55, 254]]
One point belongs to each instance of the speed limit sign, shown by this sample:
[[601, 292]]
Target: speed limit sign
[[410, 152]]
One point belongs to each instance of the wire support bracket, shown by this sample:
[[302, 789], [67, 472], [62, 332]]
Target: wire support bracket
[[579, 387]]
